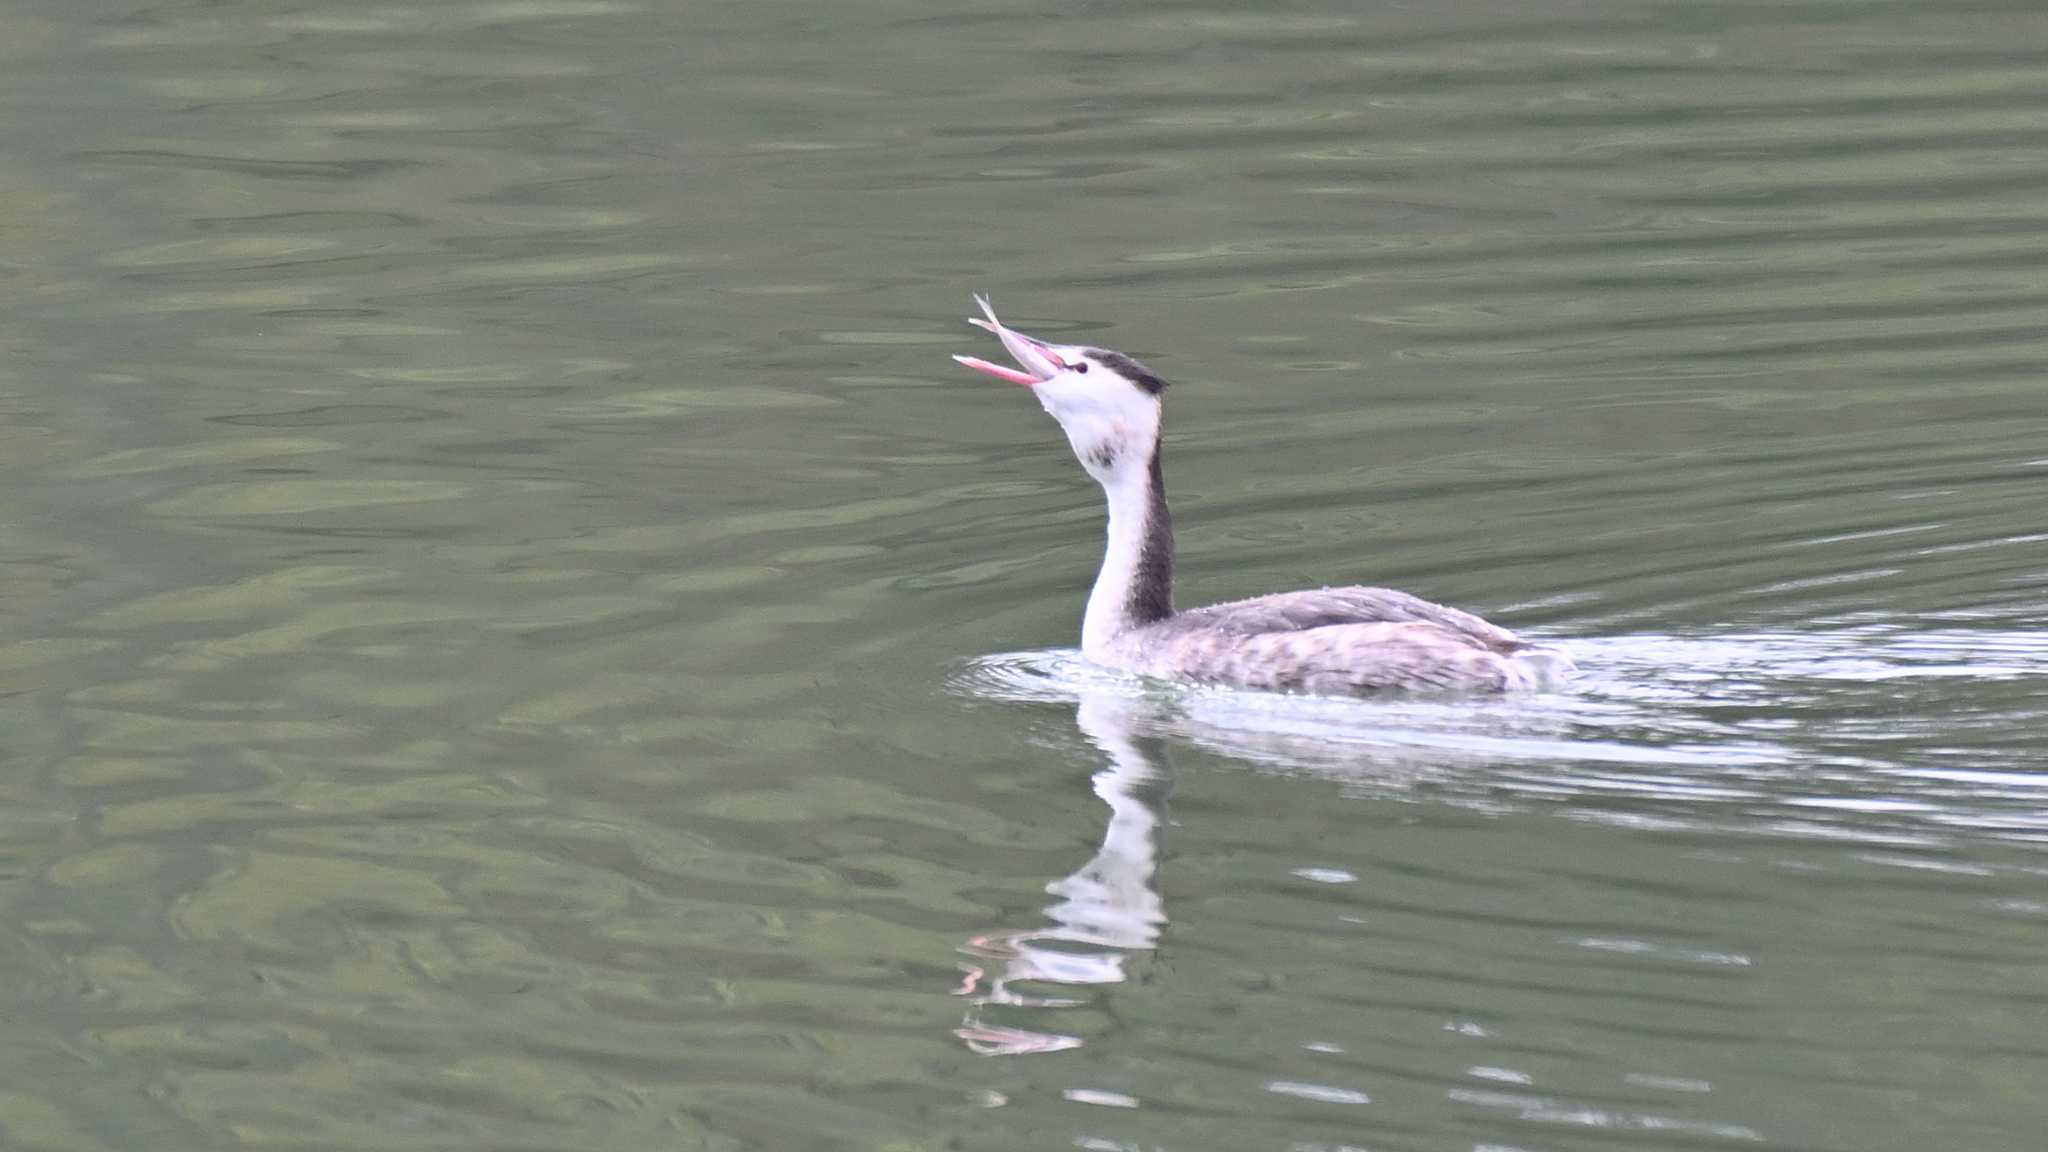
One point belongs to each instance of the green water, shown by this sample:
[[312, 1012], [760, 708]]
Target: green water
[[513, 633]]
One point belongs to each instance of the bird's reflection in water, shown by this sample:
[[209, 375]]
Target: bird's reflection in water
[[1108, 910]]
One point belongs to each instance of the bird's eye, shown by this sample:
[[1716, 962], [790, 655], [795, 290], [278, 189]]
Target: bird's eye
[[1082, 367]]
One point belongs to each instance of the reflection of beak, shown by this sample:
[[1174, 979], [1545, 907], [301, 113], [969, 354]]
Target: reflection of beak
[[1040, 362]]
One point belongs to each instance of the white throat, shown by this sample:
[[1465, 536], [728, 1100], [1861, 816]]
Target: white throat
[[1135, 585]]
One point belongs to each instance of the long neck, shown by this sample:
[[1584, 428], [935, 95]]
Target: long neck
[[1135, 586]]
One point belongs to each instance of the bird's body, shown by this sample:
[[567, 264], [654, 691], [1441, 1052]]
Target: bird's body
[[1332, 641], [1345, 640]]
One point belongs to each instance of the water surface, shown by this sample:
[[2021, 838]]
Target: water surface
[[514, 634]]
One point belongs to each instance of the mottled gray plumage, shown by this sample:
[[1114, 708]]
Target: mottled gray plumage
[[1334, 640]]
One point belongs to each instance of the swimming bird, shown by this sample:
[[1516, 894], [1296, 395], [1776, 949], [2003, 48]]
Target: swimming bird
[[1350, 640]]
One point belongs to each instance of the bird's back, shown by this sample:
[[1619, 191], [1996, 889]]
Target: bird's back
[[1334, 640]]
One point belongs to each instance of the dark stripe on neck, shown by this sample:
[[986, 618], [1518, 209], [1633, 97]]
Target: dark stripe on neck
[[1152, 586]]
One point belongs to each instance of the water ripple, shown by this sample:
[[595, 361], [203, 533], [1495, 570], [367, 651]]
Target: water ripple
[[1740, 730]]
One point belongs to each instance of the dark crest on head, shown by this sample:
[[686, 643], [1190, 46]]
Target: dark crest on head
[[1129, 369]]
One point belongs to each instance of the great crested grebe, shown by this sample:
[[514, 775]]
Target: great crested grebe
[[1332, 640]]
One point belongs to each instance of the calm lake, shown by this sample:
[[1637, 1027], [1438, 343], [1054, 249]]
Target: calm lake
[[515, 635]]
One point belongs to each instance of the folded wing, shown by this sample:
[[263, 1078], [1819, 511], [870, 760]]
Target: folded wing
[[1326, 607]]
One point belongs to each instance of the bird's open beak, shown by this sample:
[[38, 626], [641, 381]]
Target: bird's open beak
[[1040, 362]]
